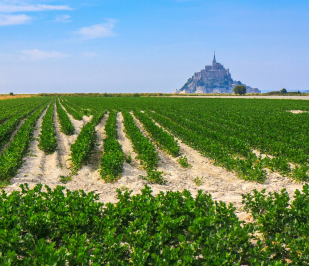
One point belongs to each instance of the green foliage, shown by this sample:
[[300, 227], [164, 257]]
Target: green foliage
[[112, 160], [12, 157], [47, 138], [301, 173], [73, 228], [240, 89], [144, 148], [162, 138], [129, 159], [183, 161], [113, 157], [198, 181], [13, 117], [283, 90], [154, 177], [73, 112], [82, 148], [65, 122], [65, 179], [282, 224]]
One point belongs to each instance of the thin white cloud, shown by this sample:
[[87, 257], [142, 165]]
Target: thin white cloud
[[98, 30], [6, 20], [89, 54], [31, 8], [40, 55], [63, 19]]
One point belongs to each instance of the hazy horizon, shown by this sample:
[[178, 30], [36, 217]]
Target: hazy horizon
[[150, 46]]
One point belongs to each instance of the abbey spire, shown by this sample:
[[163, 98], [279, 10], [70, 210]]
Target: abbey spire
[[214, 60]]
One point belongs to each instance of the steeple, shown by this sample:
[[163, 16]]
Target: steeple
[[214, 62]]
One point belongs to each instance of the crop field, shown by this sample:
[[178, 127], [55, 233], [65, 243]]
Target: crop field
[[167, 170]]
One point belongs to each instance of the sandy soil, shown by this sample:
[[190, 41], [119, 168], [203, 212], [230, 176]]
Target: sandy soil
[[297, 111]]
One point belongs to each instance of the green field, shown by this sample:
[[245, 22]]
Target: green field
[[252, 139]]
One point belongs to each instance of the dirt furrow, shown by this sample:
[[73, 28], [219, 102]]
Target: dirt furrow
[[131, 170]]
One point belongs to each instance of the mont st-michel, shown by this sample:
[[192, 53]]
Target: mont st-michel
[[213, 79]]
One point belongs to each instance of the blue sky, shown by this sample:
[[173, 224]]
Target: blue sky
[[150, 46]]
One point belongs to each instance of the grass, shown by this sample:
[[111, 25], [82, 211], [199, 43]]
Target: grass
[[129, 159], [183, 161], [198, 181], [65, 179]]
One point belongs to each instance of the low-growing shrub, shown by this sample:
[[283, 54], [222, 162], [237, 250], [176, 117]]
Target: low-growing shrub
[[65, 179], [183, 161], [129, 158], [154, 177], [198, 181]]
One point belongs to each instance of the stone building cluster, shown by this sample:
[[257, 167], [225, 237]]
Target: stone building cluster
[[213, 79]]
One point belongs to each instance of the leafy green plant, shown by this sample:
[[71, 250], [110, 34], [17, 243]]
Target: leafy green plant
[[198, 181], [129, 158], [76, 114], [183, 161], [82, 148], [73, 228], [164, 139], [65, 179], [12, 157], [154, 177], [113, 157], [144, 148], [13, 118], [47, 138], [282, 225], [66, 125]]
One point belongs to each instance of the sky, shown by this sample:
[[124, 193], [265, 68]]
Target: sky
[[150, 46]]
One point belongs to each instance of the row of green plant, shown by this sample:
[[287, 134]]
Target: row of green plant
[[161, 137], [113, 158], [12, 157], [82, 148], [84, 111], [65, 123], [47, 138], [261, 126], [172, 228], [144, 148], [248, 169], [10, 125], [10, 107], [238, 147], [73, 112], [232, 128]]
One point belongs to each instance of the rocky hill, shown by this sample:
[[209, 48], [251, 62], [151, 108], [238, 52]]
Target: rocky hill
[[213, 79]]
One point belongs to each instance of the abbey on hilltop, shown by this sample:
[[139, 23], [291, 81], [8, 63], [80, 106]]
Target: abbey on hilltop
[[213, 79]]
